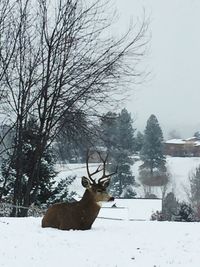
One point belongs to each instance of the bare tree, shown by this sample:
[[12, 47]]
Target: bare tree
[[55, 60]]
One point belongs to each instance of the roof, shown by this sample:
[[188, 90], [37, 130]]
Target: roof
[[176, 141], [191, 140]]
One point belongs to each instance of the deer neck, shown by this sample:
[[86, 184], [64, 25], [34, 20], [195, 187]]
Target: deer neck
[[89, 200]]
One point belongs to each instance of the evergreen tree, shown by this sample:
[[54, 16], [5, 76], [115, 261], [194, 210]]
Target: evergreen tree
[[153, 170], [197, 135], [46, 182], [118, 136], [139, 140], [170, 207], [152, 150], [194, 179], [185, 213], [42, 188], [125, 132], [61, 193], [123, 182], [109, 130], [117, 131]]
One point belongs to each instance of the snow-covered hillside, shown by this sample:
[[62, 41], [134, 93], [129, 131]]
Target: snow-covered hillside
[[179, 168], [109, 244]]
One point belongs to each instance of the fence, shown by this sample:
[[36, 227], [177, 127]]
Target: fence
[[123, 209], [6, 209]]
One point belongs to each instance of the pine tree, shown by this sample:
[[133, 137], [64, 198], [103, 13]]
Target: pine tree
[[152, 150], [42, 188], [61, 192], [109, 129], [118, 136], [185, 213], [153, 170], [118, 131], [170, 207], [123, 183], [194, 179], [197, 135], [125, 133], [139, 140]]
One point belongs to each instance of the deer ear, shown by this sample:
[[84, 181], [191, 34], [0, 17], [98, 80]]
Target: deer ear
[[85, 182], [106, 183]]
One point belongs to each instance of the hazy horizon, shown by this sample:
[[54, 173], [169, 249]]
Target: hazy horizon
[[173, 60]]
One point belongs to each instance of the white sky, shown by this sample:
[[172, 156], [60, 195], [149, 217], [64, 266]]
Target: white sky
[[172, 93]]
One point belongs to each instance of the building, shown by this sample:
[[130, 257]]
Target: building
[[189, 147]]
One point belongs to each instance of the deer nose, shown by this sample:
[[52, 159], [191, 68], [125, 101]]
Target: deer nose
[[111, 199]]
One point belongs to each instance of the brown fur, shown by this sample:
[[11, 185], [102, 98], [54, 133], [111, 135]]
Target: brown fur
[[81, 215], [78, 215]]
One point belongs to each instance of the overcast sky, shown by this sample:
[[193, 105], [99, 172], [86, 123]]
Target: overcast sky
[[173, 93]]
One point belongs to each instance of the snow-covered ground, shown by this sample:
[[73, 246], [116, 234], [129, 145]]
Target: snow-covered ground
[[108, 244], [179, 168]]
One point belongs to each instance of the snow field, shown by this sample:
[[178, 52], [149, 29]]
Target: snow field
[[109, 243], [179, 168]]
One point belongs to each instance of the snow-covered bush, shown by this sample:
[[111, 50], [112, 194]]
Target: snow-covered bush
[[170, 206], [157, 216], [62, 192], [185, 213]]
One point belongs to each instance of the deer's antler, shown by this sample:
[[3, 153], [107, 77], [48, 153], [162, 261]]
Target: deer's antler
[[104, 175], [99, 169]]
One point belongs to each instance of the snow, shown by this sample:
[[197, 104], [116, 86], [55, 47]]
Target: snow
[[109, 243], [176, 141], [79, 170], [179, 169], [116, 240], [197, 143], [131, 209], [191, 140]]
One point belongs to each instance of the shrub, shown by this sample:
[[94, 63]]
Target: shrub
[[185, 213]]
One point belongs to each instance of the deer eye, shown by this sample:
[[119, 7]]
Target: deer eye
[[99, 191]]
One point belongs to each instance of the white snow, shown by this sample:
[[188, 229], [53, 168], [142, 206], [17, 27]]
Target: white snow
[[175, 141], [188, 141], [179, 169], [131, 209], [109, 243], [121, 242]]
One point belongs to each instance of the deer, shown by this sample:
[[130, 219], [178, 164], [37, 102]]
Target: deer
[[81, 215]]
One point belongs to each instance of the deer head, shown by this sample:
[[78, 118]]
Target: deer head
[[98, 189], [81, 215]]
